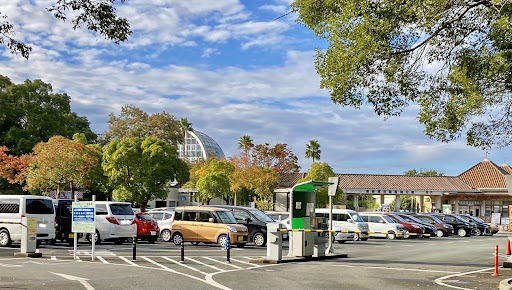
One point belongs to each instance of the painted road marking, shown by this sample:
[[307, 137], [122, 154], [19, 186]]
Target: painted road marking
[[224, 263], [184, 265], [81, 280], [10, 266], [440, 281], [127, 261], [401, 269], [102, 260], [239, 261], [159, 265], [199, 262], [53, 258]]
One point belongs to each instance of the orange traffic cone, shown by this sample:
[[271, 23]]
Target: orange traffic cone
[[507, 251]]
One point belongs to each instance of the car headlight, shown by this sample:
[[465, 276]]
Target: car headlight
[[231, 229]]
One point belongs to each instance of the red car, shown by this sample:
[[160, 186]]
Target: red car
[[411, 230], [147, 227]]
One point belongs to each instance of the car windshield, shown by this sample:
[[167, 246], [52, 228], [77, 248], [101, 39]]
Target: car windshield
[[412, 219], [389, 219], [121, 209], [226, 217], [261, 216], [398, 218], [437, 220], [356, 217], [465, 218], [144, 217], [460, 219], [478, 219]]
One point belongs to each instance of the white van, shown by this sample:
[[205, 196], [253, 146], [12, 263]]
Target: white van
[[346, 218], [14, 207], [114, 222], [382, 225]]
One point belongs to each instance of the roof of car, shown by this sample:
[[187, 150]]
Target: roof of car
[[199, 207]]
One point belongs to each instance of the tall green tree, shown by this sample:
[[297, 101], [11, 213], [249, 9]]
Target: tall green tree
[[97, 15], [31, 113], [452, 58], [212, 179], [139, 169], [133, 122], [313, 150], [246, 144], [321, 171]]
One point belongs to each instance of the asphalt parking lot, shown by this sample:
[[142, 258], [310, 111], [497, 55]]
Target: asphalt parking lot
[[435, 263]]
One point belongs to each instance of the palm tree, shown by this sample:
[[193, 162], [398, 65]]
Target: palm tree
[[245, 143], [313, 150], [186, 126]]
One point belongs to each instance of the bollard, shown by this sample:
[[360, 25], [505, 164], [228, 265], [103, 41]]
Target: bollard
[[228, 248], [183, 251], [134, 242], [496, 262], [507, 251]]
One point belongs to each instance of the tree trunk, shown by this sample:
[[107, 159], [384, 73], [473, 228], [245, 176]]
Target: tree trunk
[[143, 205]]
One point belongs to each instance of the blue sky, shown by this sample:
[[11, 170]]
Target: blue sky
[[231, 69]]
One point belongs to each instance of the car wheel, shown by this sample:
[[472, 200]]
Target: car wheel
[[177, 239], [439, 233], [461, 232], [341, 242], [166, 235], [407, 234], [5, 238], [222, 240], [97, 238], [364, 239], [259, 239], [129, 240], [391, 236], [478, 232], [357, 237]]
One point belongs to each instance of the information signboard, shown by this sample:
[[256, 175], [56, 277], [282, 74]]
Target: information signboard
[[83, 217]]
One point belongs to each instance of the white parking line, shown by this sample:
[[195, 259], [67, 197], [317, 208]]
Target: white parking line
[[127, 261], [236, 260], [184, 265], [199, 262], [159, 265], [102, 260], [439, 281], [53, 258], [224, 263], [390, 268]]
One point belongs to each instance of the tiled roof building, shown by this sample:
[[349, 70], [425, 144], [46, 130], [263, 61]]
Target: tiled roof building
[[482, 190]]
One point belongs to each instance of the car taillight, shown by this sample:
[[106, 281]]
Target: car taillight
[[112, 220]]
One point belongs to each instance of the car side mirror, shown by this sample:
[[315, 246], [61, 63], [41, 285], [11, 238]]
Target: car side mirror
[[211, 220], [350, 220]]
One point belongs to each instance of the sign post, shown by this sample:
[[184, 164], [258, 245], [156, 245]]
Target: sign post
[[331, 191], [83, 221]]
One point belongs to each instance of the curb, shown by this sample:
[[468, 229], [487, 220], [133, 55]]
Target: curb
[[506, 284], [298, 259]]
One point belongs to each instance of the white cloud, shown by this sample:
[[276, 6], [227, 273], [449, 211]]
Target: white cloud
[[209, 52]]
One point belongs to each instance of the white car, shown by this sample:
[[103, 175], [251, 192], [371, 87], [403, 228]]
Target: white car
[[381, 225], [164, 218], [114, 222]]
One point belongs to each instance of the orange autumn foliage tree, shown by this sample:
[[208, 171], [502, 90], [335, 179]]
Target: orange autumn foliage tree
[[13, 168], [61, 163]]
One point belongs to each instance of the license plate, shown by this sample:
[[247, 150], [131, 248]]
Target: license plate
[[71, 235], [153, 233], [240, 238]]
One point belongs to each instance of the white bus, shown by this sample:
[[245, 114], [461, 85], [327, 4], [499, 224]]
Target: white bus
[[14, 207]]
